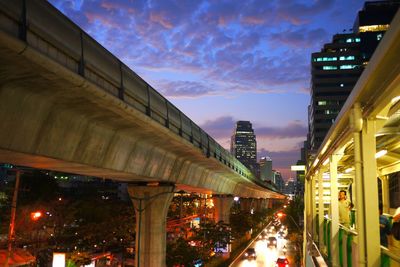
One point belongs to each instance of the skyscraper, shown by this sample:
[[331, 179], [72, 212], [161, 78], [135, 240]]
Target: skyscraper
[[266, 169], [244, 145], [337, 67]]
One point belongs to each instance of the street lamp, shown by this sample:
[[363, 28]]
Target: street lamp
[[36, 215]]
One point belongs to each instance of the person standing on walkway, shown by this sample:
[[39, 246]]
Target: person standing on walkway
[[344, 209]]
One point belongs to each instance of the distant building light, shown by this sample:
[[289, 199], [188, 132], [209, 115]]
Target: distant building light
[[298, 168], [374, 28]]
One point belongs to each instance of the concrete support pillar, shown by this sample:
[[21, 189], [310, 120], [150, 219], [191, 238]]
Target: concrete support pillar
[[222, 208], [267, 203], [264, 204], [334, 209], [370, 194], [245, 204], [385, 193], [151, 206]]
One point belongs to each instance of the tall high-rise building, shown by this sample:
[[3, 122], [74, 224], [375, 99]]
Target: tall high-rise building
[[337, 67], [266, 169], [244, 145], [278, 180]]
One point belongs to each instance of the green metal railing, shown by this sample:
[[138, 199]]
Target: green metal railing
[[329, 236], [341, 234], [388, 257], [348, 247]]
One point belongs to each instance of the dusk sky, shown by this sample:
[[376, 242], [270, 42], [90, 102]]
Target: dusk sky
[[223, 61]]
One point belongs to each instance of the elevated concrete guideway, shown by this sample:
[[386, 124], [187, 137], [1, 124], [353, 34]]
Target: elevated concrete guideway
[[67, 104]]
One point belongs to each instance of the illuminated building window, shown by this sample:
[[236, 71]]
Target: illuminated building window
[[379, 36], [321, 103], [329, 67], [347, 58], [358, 40], [318, 59], [348, 67], [374, 28]]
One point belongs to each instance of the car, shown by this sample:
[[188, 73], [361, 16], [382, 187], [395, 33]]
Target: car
[[281, 234], [262, 236], [198, 263], [282, 262], [272, 241], [250, 253]]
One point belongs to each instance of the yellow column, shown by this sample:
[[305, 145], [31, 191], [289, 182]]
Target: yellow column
[[385, 193], [334, 209], [314, 210], [320, 210], [371, 198], [306, 218], [356, 123]]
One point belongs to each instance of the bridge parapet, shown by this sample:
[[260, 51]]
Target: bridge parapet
[[42, 27]]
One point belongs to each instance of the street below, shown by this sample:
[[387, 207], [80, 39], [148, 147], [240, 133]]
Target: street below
[[267, 253]]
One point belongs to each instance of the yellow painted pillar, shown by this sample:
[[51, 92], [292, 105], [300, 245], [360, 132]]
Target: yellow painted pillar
[[385, 193], [356, 124], [314, 209], [306, 219], [334, 209], [371, 198], [320, 210]]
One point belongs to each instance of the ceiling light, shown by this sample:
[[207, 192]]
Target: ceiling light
[[395, 99], [380, 153], [349, 170]]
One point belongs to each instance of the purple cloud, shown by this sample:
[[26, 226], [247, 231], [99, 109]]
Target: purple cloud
[[291, 130], [223, 127], [183, 88]]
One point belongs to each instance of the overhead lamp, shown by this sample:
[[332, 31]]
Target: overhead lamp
[[379, 117], [380, 153], [395, 99], [349, 170]]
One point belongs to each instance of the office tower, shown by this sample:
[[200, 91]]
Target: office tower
[[278, 180], [337, 67], [244, 146], [265, 169]]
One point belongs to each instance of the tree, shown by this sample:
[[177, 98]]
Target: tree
[[211, 236], [180, 253], [240, 223]]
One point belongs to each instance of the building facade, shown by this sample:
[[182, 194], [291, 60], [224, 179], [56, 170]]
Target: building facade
[[336, 68], [266, 169], [244, 145]]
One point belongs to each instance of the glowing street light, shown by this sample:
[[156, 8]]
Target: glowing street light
[[36, 215]]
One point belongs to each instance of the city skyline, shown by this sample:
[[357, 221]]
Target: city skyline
[[220, 62]]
